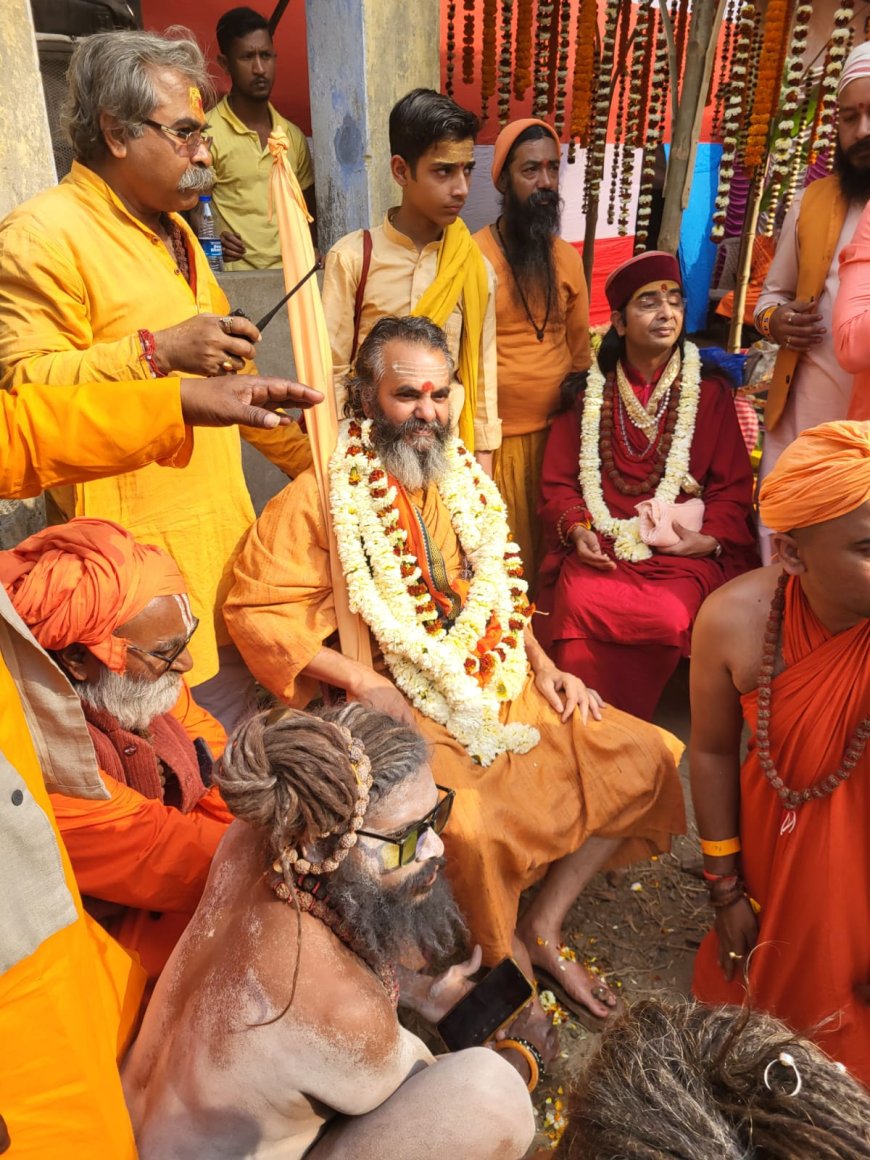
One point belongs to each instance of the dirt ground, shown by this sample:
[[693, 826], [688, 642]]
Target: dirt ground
[[639, 927]]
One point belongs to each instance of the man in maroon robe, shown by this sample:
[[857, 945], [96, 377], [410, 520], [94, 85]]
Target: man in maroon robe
[[644, 423]]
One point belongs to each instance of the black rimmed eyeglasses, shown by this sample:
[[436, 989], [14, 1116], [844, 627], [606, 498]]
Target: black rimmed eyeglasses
[[168, 659]]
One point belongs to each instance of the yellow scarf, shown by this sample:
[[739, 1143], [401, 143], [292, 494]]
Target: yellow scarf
[[460, 273]]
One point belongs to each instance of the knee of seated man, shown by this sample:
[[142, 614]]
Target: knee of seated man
[[497, 1093]]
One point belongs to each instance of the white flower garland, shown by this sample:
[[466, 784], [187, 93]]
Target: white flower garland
[[438, 669], [625, 533]]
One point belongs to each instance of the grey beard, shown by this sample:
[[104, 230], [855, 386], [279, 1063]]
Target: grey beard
[[197, 179], [388, 925], [413, 467], [132, 702]]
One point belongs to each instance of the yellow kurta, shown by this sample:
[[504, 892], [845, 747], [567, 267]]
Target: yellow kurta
[[513, 818], [529, 376], [79, 277], [69, 995], [54, 435], [398, 276]]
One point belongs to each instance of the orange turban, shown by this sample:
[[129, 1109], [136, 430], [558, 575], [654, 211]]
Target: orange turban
[[506, 139], [77, 582], [824, 474]]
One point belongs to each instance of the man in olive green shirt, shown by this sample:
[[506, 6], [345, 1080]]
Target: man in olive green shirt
[[240, 125]]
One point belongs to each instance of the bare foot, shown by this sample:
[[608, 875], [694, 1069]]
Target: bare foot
[[568, 975]]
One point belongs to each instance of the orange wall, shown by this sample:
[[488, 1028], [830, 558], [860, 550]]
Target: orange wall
[[290, 95]]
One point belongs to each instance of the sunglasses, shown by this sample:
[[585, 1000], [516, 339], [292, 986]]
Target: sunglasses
[[405, 846]]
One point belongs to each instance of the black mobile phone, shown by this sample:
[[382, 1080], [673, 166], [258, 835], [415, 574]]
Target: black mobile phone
[[495, 1000]]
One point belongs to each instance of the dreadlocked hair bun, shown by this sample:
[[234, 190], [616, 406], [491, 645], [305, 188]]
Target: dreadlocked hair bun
[[288, 774], [677, 1080]]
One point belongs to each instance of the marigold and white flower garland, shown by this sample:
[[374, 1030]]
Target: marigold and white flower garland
[[625, 533], [439, 670]]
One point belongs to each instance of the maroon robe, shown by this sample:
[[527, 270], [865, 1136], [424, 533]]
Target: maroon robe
[[623, 632]]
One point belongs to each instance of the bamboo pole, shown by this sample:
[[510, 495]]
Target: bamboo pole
[[744, 260], [707, 16]]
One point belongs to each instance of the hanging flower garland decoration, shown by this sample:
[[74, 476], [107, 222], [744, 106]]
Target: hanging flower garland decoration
[[523, 54], [767, 88], [487, 64], [597, 152], [625, 533], [724, 65], [504, 62], [621, 84], [450, 675], [633, 134], [783, 149], [450, 55], [655, 128], [468, 43], [562, 68], [731, 117], [584, 70], [837, 51], [543, 28]]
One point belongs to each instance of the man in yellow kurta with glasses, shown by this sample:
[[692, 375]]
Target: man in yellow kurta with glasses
[[423, 261], [101, 279]]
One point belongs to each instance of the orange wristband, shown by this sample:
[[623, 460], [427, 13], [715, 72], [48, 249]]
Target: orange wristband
[[515, 1045], [720, 849]]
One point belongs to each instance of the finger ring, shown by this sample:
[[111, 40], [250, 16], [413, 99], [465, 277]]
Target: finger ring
[[226, 325], [227, 365], [788, 341], [734, 955]]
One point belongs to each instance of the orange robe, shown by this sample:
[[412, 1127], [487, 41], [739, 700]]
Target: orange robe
[[511, 819], [529, 376], [148, 860], [813, 884]]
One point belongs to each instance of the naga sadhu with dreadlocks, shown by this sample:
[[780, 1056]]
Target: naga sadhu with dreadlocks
[[273, 1029]]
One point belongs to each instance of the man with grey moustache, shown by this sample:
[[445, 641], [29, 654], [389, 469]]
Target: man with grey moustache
[[101, 279]]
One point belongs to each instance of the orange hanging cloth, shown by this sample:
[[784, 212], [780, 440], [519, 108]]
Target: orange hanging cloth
[[313, 365]]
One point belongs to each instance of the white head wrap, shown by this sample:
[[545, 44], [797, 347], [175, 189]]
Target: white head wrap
[[857, 65]]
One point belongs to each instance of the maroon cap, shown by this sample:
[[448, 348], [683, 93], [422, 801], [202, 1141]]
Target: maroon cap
[[641, 270]]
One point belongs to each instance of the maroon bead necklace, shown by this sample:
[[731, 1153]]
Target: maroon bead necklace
[[792, 799], [661, 446]]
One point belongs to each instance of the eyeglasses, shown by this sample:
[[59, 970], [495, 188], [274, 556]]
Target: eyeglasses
[[647, 303], [192, 139], [168, 659], [408, 842]]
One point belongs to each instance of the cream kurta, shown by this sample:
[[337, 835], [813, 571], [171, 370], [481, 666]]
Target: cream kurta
[[512, 819], [79, 277], [398, 275], [821, 389]]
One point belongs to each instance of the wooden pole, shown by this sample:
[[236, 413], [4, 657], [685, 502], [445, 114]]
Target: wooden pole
[[707, 18], [744, 260]]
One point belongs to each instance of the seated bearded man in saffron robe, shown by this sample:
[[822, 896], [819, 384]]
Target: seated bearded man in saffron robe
[[642, 425], [548, 784], [786, 650], [115, 616]]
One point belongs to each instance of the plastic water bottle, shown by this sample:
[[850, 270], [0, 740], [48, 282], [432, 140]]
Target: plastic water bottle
[[207, 235]]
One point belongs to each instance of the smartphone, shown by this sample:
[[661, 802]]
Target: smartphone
[[494, 1001]]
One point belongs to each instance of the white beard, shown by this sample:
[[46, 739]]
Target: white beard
[[133, 703]]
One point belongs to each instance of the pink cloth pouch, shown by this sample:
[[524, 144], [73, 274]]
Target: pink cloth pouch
[[657, 520]]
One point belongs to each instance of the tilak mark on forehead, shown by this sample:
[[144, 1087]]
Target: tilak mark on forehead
[[454, 152], [426, 379], [194, 100]]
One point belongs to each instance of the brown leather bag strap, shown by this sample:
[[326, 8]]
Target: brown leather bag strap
[[360, 292]]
